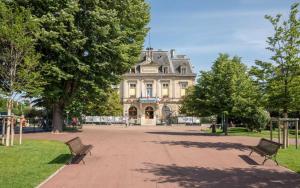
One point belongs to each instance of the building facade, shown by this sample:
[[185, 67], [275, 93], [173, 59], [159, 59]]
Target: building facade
[[152, 90]]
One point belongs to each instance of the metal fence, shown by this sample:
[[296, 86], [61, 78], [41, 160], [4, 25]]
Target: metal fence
[[105, 120], [109, 120]]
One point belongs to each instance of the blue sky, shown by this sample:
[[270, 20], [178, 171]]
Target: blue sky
[[201, 29]]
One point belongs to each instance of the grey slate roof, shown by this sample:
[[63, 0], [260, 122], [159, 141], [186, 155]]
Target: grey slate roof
[[165, 59]]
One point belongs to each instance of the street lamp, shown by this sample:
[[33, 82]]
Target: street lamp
[[67, 117]]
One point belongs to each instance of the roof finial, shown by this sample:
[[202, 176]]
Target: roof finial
[[149, 49], [149, 40]]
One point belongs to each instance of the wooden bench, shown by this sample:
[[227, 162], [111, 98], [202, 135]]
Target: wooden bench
[[267, 149], [78, 149]]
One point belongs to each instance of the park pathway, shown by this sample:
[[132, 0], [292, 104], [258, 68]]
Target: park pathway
[[166, 157]]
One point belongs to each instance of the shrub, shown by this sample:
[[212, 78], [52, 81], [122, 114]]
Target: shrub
[[257, 120]]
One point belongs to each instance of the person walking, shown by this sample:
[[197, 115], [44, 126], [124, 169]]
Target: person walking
[[74, 121]]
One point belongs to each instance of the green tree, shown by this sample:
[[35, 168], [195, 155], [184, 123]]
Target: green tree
[[3, 104], [226, 89], [18, 59], [86, 45], [188, 106], [108, 104], [281, 77]]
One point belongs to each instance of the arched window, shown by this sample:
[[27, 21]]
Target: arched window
[[149, 112], [132, 112]]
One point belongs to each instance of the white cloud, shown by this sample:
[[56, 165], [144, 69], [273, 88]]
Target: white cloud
[[252, 36]]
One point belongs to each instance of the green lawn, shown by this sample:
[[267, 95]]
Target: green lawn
[[241, 131], [29, 164], [290, 158]]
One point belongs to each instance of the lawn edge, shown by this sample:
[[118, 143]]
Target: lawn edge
[[51, 176], [289, 169]]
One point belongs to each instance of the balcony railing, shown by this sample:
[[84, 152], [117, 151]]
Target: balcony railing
[[149, 99]]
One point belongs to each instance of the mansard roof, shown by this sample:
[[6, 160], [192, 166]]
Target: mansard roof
[[166, 59]]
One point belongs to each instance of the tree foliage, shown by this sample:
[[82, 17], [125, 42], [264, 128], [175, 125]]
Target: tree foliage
[[108, 104], [226, 89], [18, 58], [110, 107], [19, 108], [86, 45], [279, 79]]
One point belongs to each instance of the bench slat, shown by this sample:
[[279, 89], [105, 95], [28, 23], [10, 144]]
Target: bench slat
[[266, 148], [77, 148]]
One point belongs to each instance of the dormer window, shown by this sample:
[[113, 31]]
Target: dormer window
[[165, 70], [183, 70], [132, 70]]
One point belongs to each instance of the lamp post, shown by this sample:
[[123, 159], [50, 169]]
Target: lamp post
[[67, 117], [224, 123], [126, 118]]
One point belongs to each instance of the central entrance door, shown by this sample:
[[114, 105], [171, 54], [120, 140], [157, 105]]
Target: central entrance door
[[132, 115], [149, 116], [132, 112]]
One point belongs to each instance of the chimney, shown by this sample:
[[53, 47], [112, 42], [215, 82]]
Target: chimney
[[149, 53], [172, 52]]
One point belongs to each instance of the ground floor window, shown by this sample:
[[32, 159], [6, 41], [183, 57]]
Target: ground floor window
[[132, 112], [149, 112]]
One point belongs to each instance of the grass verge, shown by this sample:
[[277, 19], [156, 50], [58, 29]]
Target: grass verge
[[27, 165], [241, 131], [290, 158]]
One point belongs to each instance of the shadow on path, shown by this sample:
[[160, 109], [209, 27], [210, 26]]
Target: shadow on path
[[189, 177], [68, 159], [61, 159], [248, 160], [183, 133], [214, 145]]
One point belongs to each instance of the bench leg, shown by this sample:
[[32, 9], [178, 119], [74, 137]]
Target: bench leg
[[250, 153], [90, 153], [266, 158], [83, 161], [276, 160]]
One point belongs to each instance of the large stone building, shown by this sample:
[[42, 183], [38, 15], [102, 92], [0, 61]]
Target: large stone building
[[152, 90]]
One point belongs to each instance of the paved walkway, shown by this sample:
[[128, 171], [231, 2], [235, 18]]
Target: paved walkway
[[166, 157]]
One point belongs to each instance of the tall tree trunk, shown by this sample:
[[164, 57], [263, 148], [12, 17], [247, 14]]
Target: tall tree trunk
[[57, 118], [285, 129], [9, 107], [9, 121], [285, 113], [226, 125]]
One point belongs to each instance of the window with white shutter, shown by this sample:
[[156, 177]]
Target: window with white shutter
[[132, 90], [165, 90], [183, 86]]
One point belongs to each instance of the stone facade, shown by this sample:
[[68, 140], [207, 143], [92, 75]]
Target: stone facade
[[152, 90]]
